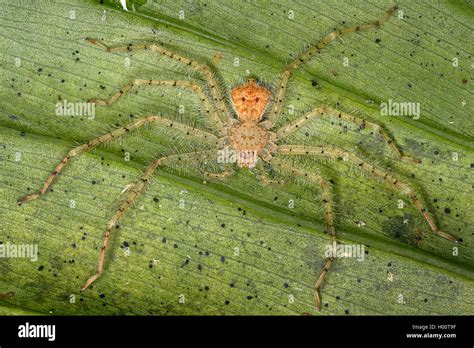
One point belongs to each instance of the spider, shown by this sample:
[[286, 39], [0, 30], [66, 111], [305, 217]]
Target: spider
[[251, 136]]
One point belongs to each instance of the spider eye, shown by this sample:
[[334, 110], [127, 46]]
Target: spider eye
[[257, 99], [243, 98]]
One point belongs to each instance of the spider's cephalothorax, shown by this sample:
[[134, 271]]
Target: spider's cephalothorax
[[249, 137]]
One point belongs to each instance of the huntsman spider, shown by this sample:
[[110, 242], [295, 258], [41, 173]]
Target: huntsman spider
[[251, 136]]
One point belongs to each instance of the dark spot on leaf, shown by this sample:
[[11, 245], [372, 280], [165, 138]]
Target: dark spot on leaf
[[401, 228]]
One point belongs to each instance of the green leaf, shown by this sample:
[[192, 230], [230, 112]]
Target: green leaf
[[235, 247]]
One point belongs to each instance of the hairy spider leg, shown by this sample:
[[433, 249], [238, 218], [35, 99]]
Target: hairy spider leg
[[112, 135], [228, 171], [329, 214], [264, 177], [217, 96], [134, 193], [321, 111], [312, 51], [209, 109], [373, 171]]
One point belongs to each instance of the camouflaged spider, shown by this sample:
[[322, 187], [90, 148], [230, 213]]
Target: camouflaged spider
[[249, 136]]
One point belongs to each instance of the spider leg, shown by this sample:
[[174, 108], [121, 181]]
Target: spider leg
[[172, 83], [270, 147], [313, 51], [220, 176], [133, 194], [373, 171], [321, 111], [112, 135], [326, 198], [209, 76], [264, 177]]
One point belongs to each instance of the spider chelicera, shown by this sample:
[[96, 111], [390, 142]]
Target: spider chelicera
[[252, 137]]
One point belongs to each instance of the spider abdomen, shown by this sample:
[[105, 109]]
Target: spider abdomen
[[250, 100]]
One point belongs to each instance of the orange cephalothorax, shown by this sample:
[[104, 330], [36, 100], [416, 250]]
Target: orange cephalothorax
[[250, 101]]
